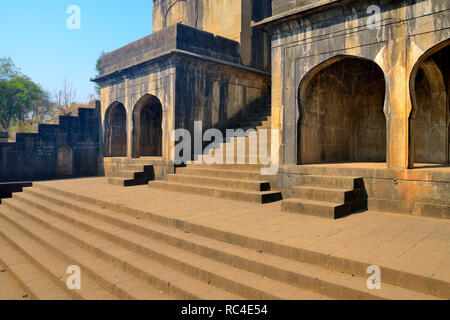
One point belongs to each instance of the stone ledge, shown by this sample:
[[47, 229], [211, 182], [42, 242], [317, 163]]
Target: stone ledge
[[167, 54], [290, 14], [174, 37]]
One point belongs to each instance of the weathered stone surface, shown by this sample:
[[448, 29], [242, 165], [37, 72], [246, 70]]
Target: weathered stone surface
[[227, 18], [69, 149], [196, 77], [408, 34]]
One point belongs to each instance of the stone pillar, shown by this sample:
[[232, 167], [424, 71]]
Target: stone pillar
[[393, 60], [277, 105]]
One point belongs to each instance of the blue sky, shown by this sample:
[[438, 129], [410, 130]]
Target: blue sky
[[35, 35]]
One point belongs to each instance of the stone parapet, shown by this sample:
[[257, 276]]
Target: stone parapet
[[175, 37]]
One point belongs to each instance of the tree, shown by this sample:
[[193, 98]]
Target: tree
[[98, 68], [18, 95], [65, 99], [8, 69], [41, 111]]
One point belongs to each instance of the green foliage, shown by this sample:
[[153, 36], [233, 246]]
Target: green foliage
[[8, 69], [98, 68], [18, 94]]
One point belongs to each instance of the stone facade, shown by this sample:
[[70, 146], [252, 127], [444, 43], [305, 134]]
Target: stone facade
[[189, 73], [344, 79], [230, 19], [314, 35], [359, 82]]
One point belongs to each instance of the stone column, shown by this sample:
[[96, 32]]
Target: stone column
[[277, 105], [392, 59]]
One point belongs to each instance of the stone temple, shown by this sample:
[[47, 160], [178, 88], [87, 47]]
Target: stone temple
[[347, 102]]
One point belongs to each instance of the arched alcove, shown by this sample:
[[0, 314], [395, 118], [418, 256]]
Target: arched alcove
[[341, 104], [116, 131], [430, 117], [147, 127], [64, 164]]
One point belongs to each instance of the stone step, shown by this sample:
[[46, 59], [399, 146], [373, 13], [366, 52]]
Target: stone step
[[246, 139], [207, 171], [148, 161], [35, 283], [236, 160], [233, 167], [253, 185], [131, 175], [306, 276], [231, 194], [124, 182], [332, 181], [330, 210], [239, 150], [40, 260], [326, 194], [10, 289], [248, 123], [214, 274], [126, 273], [323, 170], [128, 167], [267, 123], [415, 284]]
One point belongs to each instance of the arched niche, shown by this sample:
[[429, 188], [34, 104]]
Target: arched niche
[[116, 131], [147, 127], [341, 118]]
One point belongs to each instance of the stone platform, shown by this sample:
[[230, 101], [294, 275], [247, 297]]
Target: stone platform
[[422, 191], [131, 242]]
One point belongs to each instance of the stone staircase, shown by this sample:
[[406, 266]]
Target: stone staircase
[[131, 254], [239, 180], [327, 195], [127, 173], [8, 188]]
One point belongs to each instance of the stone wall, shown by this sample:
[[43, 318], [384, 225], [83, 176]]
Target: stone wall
[[420, 192], [216, 94], [341, 114], [174, 37], [284, 6], [69, 149], [404, 33], [190, 84], [156, 79], [407, 41], [230, 19]]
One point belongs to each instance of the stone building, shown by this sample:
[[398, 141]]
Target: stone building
[[356, 90], [364, 82], [203, 61]]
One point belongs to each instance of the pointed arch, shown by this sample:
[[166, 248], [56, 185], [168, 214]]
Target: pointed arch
[[341, 104], [147, 127], [115, 139], [429, 129]]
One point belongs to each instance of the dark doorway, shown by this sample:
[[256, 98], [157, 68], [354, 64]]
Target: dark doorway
[[147, 130], [116, 131], [341, 106], [430, 118], [64, 164]]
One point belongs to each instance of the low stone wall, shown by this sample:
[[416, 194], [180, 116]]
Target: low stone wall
[[69, 149], [160, 167]]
